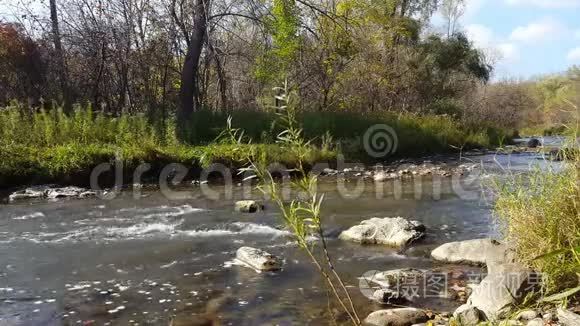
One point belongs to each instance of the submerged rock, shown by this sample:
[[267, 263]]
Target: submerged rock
[[396, 317], [258, 259], [478, 252], [51, 192], [248, 206], [395, 232]]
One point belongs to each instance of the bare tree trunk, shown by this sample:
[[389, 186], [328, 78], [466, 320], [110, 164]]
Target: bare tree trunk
[[222, 86], [61, 67], [190, 94]]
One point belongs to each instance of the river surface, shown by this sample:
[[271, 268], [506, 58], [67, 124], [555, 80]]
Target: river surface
[[149, 258]]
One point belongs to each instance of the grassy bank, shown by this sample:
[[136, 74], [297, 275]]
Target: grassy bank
[[52, 146], [541, 214]]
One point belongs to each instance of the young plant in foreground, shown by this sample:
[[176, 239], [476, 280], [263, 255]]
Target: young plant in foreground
[[302, 216]]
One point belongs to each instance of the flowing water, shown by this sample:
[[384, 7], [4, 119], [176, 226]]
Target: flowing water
[[152, 258]]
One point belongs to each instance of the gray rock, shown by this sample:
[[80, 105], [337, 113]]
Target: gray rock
[[396, 317], [258, 259], [328, 171], [509, 322], [548, 316], [390, 286], [248, 206], [500, 291], [534, 143], [468, 315], [395, 232], [67, 192], [527, 315], [384, 176], [51, 192], [29, 193], [478, 252], [536, 322], [568, 318]]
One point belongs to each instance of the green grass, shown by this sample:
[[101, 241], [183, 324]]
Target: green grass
[[541, 214], [47, 146], [557, 130], [417, 134]]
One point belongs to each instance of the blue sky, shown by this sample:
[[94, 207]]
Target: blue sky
[[525, 37]]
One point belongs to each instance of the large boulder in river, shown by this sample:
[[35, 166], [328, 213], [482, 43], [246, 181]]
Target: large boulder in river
[[503, 289], [395, 232], [478, 252], [396, 317], [258, 259]]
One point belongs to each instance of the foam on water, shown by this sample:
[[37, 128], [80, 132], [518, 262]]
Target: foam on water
[[161, 211], [238, 228], [142, 229], [158, 229], [29, 216]]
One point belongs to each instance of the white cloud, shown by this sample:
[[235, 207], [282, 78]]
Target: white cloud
[[546, 29], [508, 51], [480, 35], [545, 3], [577, 34], [574, 55], [484, 38]]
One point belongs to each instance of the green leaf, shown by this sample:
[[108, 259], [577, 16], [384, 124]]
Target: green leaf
[[561, 296], [552, 254]]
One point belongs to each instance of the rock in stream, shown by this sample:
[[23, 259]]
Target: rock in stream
[[396, 232], [258, 259]]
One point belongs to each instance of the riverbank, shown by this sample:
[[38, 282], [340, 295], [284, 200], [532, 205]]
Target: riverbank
[[50, 147]]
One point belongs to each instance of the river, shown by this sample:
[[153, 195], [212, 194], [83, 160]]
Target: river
[[149, 258]]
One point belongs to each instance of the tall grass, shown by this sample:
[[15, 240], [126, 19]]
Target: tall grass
[[541, 214], [417, 134], [47, 145]]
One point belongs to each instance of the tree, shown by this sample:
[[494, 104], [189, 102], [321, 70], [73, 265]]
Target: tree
[[22, 66], [452, 11], [59, 54], [189, 93]]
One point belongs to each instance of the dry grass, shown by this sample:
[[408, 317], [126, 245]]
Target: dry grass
[[541, 214]]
